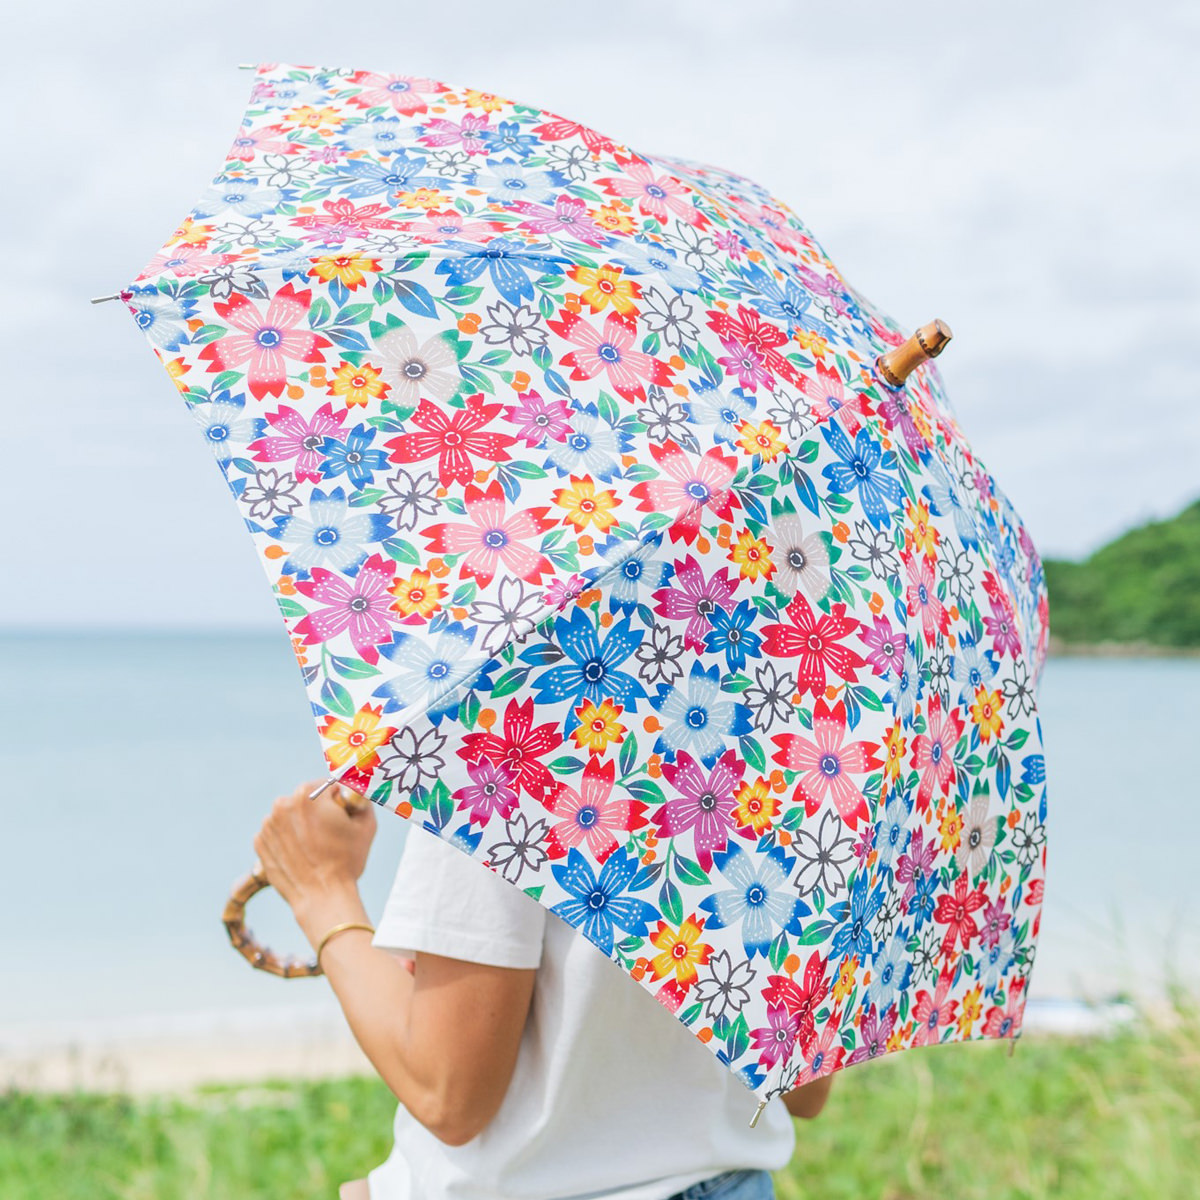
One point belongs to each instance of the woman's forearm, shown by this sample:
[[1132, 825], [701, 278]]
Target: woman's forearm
[[375, 991]]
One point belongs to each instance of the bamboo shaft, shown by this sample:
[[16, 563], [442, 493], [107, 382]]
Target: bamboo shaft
[[900, 362]]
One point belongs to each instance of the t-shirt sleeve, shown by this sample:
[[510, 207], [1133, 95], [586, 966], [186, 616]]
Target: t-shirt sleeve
[[445, 902]]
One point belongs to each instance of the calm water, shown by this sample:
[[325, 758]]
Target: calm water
[[137, 769]]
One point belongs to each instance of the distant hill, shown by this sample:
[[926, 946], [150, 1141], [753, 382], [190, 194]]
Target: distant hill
[[1143, 587]]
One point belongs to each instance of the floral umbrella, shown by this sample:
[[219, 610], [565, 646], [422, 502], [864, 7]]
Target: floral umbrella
[[609, 554]]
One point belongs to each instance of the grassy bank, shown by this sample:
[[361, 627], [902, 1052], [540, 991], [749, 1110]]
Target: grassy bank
[[1116, 1117]]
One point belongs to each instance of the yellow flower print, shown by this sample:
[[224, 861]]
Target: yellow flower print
[[358, 385], [847, 974], [614, 217], [681, 951], [756, 806], [323, 120], [814, 343], [752, 555], [585, 506], [894, 744], [986, 712], [418, 595], [920, 534], [599, 726], [765, 440], [971, 1010], [349, 269], [359, 739], [606, 285], [950, 830]]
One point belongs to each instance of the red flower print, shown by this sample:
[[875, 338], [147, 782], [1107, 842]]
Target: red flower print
[[748, 331], [955, 913], [933, 751], [299, 439], [592, 814], [815, 640], [827, 762], [801, 999], [1001, 625], [659, 195], [265, 343], [453, 437], [359, 605], [490, 791], [687, 487], [341, 221], [519, 749], [611, 351], [827, 394], [494, 537]]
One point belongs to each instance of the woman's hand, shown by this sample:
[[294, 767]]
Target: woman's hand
[[313, 852]]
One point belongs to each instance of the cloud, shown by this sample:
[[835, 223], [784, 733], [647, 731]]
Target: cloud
[[1024, 173]]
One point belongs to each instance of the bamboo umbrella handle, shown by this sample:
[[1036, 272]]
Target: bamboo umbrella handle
[[900, 362], [234, 915]]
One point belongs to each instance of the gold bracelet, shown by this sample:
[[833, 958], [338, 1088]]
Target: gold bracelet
[[341, 929]]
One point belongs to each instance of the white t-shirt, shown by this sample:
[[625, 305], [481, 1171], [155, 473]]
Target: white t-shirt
[[611, 1096]]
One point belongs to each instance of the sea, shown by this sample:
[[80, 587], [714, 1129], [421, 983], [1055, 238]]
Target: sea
[[137, 767]]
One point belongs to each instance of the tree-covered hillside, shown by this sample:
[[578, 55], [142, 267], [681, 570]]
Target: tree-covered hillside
[[1142, 587]]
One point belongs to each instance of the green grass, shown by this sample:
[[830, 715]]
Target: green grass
[[1087, 1119]]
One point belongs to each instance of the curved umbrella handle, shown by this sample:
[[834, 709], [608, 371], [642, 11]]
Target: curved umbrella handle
[[234, 915]]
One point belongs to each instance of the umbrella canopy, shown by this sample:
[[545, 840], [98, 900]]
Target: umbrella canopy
[[608, 554]]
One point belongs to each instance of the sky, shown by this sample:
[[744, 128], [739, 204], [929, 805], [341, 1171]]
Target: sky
[[1027, 172]]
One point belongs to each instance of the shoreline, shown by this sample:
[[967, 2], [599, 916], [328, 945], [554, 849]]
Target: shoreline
[[174, 1056], [1055, 648]]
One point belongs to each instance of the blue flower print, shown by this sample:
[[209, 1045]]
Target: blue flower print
[[332, 534], [225, 423], [592, 447], [732, 634], [245, 197], [631, 571], [430, 672], [697, 718], [591, 673], [758, 900], [353, 457], [891, 838], [891, 970], [724, 410], [853, 920], [971, 667], [863, 468], [597, 904], [162, 318], [507, 181], [508, 261]]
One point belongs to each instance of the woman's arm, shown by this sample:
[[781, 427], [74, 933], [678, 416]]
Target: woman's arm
[[807, 1101], [444, 1037]]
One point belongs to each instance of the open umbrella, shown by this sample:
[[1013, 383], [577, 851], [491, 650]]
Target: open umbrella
[[626, 546]]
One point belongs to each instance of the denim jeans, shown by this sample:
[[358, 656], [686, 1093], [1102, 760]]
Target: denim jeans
[[731, 1185]]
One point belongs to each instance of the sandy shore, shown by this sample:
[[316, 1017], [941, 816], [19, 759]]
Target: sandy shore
[[179, 1054]]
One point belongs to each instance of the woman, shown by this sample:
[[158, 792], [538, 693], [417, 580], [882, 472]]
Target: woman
[[526, 1063]]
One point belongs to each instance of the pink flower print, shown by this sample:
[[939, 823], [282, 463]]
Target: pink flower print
[[887, 646], [265, 344], [610, 351], [692, 598], [467, 133], [299, 439], [1001, 626], [568, 218], [358, 606], [996, 919], [749, 330], [592, 815], [687, 488], [827, 762], [490, 791], [494, 537], [933, 751], [746, 363], [827, 395], [777, 1038], [404, 93], [914, 865], [705, 802], [342, 221], [451, 224], [561, 592], [252, 143], [186, 261], [933, 1013], [658, 196], [537, 418], [921, 595], [873, 1034]]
